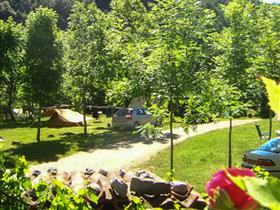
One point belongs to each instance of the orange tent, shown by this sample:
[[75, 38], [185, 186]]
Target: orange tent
[[65, 118], [48, 112]]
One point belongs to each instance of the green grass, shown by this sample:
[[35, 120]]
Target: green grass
[[196, 159], [59, 142]]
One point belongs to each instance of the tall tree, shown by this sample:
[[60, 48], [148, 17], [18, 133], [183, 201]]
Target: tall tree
[[267, 59], [130, 33], [236, 47], [181, 35], [10, 62], [86, 52], [43, 57]]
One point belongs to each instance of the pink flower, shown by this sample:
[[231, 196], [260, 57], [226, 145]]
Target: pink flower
[[221, 181]]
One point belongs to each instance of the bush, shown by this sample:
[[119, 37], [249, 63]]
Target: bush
[[149, 132]]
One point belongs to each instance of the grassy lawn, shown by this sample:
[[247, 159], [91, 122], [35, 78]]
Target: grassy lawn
[[196, 159], [59, 142]]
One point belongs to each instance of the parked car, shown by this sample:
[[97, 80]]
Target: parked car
[[266, 156], [132, 117]]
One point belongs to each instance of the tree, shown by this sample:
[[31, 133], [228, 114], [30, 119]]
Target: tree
[[236, 46], [43, 57], [11, 69], [267, 59], [86, 50], [182, 32], [129, 33]]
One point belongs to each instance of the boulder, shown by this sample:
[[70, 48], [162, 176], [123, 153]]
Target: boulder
[[103, 172], [181, 188], [120, 187], [52, 171], [122, 173], [149, 187]]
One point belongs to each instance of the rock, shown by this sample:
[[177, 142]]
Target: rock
[[104, 184], [144, 175], [89, 172], [119, 187], [122, 173], [198, 204], [2, 139], [167, 204], [192, 199], [52, 171], [103, 172], [36, 173], [95, 188], [180, 188], [77, 182], [149, 187], [63, 177]]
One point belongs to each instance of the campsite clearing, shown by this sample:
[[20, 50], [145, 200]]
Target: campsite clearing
[[20, 139], [130, 152]]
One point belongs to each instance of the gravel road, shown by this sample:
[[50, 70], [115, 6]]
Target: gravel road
[[128, 156]]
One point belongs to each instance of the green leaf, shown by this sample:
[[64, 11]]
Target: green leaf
[[42, 186], [27, 184], [264, 191], [273, 91], [222, 201]]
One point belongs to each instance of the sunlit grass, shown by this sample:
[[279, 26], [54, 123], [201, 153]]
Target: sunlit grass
[[20, 139], [196, 159]]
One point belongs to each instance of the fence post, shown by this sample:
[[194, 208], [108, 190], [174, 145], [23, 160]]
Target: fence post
[[229, 143]]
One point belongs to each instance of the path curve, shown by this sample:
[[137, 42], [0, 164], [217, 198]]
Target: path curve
[[123, 158]]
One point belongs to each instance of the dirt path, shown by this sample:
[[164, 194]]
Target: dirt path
[[115, 159]]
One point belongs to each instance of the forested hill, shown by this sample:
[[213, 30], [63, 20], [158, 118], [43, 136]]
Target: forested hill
[[19, 9]]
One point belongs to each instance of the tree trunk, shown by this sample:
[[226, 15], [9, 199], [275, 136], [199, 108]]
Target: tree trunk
[[270, 125], [171, 137], [84, 114], [11, 100], [39, 127], [229, 143]]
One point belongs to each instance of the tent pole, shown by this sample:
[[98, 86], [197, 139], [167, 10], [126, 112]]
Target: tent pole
[[229, 143]]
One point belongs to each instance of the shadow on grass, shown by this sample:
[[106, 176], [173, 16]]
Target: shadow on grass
[[23, 124], [41, 152], [15, 124], [69, 143]]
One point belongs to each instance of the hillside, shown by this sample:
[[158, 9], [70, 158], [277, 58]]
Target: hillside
[[19, 9]]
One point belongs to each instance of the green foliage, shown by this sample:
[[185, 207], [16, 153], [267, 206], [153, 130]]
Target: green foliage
[[85, 53], [11, 69], [119, 93], [149, 132], [273, 92], [137, 204], [17, 192], [13, 183], [260, 172], [129, 41], [265, 191], [169, 50], [43, 57]]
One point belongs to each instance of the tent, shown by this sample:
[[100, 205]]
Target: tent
[[66, 117], [48, 112], [277, 117]]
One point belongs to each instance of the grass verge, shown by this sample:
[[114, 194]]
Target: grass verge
[[196, 159]]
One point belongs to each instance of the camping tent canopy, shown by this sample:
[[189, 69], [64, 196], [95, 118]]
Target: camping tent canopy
[[65, 117]]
